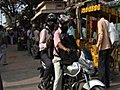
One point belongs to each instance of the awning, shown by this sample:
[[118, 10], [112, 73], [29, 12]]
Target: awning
[[36, 15], [47, 11], [95, 10]]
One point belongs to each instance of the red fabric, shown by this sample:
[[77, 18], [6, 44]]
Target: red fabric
[[94, 25]]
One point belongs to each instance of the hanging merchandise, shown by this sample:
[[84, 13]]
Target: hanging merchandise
[[113, 33]]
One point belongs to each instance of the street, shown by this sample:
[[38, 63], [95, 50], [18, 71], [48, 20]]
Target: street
[[21, 72]]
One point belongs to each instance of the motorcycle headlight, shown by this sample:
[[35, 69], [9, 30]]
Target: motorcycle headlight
[[90, 71]]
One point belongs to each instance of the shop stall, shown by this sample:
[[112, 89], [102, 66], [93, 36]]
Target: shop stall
[[87, 16], [92, 15]]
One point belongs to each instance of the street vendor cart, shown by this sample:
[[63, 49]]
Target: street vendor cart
[[90, 11]]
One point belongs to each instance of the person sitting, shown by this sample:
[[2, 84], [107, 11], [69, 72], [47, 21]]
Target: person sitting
[[46, 49], [59, 34]]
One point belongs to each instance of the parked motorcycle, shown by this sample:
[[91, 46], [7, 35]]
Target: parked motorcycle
[[78, 75]]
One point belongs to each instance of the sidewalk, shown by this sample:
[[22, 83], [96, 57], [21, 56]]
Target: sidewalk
[[21, 72]]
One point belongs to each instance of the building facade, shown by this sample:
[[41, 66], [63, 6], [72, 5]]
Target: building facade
[[46, 7]]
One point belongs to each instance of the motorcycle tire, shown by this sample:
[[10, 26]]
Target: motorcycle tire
[[97, 88], [80, 87]]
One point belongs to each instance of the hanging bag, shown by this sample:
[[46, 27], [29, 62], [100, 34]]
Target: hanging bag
[[113, 33]]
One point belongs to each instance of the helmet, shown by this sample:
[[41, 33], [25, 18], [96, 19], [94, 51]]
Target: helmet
[[63, 19], [51, 20], [51, 17]]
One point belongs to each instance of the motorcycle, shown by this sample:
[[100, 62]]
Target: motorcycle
[[78, 76]]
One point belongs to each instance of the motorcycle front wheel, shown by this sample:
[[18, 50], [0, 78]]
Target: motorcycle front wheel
[[97, 88], [80, 87]]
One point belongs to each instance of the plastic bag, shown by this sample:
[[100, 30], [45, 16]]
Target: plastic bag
[[113, 33]]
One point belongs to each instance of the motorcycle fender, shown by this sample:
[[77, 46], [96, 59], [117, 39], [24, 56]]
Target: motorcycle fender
[[93, 83]]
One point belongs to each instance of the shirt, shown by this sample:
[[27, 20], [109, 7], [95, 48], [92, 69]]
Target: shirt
[[36, 35], [71, 31], [44, 36], [103, 35], [29, 34], [57, 39]]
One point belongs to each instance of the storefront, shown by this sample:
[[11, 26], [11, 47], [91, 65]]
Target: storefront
[[46, 7]]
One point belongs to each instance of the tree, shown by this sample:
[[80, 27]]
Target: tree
[[12, 8]]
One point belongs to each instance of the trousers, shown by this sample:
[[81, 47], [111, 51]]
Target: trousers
[[58, 74], [3, 54], [104, 66], [49, 67]]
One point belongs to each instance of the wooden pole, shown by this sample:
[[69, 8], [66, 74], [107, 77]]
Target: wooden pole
[[78, 22]]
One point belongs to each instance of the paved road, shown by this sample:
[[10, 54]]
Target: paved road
[[21, 72]]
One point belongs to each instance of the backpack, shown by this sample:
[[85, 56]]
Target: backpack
[[113, 33], [50, 43]]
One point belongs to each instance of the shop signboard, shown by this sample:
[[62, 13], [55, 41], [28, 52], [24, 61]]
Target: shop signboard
[[91, 8], [99, 7]]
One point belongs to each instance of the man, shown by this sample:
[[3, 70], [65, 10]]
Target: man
[[104, 47], [36, 35], [58, 45], [3, 47], [29, 39], [46, 48], [71, 29]]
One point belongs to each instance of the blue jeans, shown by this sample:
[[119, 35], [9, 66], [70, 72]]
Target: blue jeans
[[3, 54], [104, 66]]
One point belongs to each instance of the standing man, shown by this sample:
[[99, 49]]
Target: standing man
[[3, 48], [29, 39], [104, 47], [36, 33]]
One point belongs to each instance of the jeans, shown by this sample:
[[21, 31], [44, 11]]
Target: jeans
[[3, 54], [29, 42], [49, 67], [104, 66], [58, 74]]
